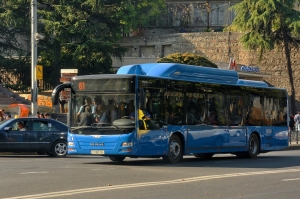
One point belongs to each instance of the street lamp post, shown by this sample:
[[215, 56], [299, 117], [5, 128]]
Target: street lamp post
[[33, 57], [208, 12]]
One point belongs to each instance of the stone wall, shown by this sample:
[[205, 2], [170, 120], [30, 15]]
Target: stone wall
[[218, 47]]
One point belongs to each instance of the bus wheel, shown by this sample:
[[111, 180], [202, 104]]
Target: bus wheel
[[253, 149], [175, 150], [59, 148], [116, 158]]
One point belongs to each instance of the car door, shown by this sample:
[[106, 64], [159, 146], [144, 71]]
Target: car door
[[18, 141], [3, 139], [45, 133], [39, 140]]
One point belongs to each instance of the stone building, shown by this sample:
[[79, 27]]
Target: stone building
[[218, 47]]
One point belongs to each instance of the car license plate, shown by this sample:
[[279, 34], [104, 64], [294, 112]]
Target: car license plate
[[97, 152]]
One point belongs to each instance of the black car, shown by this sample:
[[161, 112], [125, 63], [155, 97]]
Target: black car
[[40, 135]]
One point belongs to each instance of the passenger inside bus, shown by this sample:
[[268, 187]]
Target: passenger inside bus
[[100, 114], [88, 103], [111, 111], [191, 118], [86, 117]]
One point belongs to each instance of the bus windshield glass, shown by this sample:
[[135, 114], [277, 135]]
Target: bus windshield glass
[[100, 109]]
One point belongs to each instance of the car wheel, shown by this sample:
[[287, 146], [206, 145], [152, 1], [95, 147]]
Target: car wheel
[[175, 150], [116, 158], [59, 148]]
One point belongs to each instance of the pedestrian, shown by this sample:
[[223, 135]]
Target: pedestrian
[[291, 122], [42, 115], [47, 115], [8, 117], [38, 114], [4, 115], [1, 116], [297, 121]]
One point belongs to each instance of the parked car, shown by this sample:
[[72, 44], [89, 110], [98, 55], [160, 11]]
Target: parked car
[[40, 135]]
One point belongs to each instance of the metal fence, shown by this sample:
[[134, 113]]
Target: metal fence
[[294, 136]]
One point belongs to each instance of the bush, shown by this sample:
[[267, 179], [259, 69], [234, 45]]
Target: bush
[[187, 58]]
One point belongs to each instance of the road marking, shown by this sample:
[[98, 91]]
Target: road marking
[[34, 172], [145, 184], [290, 179]]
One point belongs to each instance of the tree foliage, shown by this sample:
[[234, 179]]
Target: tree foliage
[[187, 58], [81, 34], [267, 24]]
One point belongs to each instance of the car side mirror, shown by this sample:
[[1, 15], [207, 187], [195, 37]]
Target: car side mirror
[[7, 128]]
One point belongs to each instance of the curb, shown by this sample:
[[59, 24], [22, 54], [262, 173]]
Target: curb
[[292, 147]]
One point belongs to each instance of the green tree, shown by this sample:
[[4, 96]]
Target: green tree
[[14, 30], [267, 24], [82, 34], [187, 58]]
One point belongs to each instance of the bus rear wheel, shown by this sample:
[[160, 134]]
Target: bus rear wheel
[[253, 148], [116, 158], [175, 150]]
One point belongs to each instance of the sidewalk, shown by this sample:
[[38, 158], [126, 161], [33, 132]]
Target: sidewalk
[[293, 146]]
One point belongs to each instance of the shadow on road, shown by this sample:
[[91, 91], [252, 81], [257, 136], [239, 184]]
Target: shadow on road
[[263, 161]]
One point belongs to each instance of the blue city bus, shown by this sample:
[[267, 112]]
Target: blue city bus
[[169, 110]]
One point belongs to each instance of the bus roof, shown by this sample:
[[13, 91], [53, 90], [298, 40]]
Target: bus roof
[[189, 73]]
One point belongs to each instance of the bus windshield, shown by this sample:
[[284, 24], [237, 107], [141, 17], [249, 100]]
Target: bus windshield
[[100, 109]]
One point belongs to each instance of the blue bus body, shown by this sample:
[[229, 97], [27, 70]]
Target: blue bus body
[[251, 116]]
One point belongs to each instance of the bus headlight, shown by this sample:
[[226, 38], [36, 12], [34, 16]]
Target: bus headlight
[[126, 144], [71, 144]]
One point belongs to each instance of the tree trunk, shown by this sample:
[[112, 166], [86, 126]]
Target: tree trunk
[[290, 71]]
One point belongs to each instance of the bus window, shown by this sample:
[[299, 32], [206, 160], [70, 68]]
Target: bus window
[[173, 107], [236, 101]]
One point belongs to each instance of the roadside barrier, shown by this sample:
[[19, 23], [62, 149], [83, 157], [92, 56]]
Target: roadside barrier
[[294, 136]]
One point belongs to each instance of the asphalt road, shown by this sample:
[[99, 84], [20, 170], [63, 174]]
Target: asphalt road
[[273, 175]]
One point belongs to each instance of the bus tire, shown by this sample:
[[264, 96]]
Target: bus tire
[[59, 148], [116, 158], [253, 149], [175, 150]]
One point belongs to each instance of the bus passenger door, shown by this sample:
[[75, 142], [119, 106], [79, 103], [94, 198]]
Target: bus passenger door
[[152, 139]]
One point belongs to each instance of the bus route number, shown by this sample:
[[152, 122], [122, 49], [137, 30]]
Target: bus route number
[[81, 86]]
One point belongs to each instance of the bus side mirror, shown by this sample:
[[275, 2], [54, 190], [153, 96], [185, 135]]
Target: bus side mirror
[[142, 99], [56, 91]]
